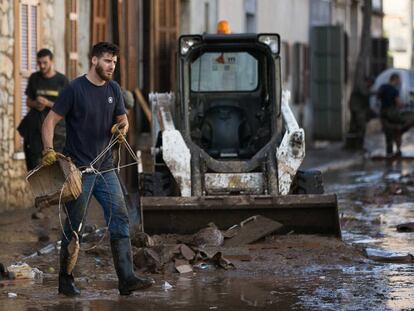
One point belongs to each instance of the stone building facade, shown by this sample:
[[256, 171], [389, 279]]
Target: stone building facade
[[14, 190]]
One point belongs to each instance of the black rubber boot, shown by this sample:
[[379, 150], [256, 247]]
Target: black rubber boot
[[127, 280], [67, 285]]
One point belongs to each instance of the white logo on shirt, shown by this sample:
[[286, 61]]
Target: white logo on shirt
[[110, 100]]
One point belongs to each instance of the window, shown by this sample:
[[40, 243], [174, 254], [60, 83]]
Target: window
[[27, 36], [221, 72]]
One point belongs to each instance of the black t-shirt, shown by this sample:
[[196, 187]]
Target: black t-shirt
[[90, 112], [38, 85], [49, 88], [387, 93]]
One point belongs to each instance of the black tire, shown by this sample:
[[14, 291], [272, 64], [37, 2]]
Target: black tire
[[307, 182], [158, 184]]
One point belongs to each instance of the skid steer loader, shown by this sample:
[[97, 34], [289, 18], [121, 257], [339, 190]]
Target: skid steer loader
[[226, 146]]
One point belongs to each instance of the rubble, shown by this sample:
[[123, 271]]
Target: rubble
[[406, 227], [141, 239], [38, 215], [210, 236], [387, 256], [180, 258]]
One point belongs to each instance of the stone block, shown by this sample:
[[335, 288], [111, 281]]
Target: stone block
[[6, 65], [4, 6], [4, 25], [49, 11], [10, 88], [2, 82], [4, 44]]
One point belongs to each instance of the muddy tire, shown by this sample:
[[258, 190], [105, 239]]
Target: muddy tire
[[307, 182], [158, 184]]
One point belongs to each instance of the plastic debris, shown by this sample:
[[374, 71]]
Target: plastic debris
[[203, 266], [21, 271], [166, 285], [37, 274], [47, 249], [11, 295]]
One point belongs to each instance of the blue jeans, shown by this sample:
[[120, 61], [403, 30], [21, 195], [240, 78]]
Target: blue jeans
[[107, 191]]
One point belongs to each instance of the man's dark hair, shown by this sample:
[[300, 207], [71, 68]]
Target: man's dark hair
[[394, 77], [44, 52], [104, 47]]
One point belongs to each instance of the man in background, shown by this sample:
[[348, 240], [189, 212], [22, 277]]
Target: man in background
[[42, 90], [392, 122]]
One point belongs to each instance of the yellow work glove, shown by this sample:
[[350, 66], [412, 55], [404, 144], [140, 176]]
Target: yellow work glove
[[119, 130], [49, 157]]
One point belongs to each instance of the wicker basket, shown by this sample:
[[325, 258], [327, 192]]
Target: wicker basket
[[47, 182]]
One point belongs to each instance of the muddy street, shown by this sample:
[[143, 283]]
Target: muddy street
[[370, 270]]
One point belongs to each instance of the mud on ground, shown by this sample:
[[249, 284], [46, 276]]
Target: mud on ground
[[276, 256]]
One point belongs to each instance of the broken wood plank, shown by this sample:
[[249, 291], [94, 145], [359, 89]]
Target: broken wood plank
[[252, 229], [183, 266]]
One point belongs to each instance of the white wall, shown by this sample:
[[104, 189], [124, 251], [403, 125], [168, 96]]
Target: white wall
[[233, 12], [198, 16], [289, 18], [397, 28], [84, 35], [58, 35]]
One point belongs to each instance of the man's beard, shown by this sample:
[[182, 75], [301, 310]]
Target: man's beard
[[101, 73]]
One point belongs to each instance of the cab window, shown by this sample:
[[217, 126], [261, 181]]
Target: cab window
[[221, 72]]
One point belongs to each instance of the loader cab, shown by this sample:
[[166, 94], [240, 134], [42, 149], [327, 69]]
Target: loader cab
[[230, 93]]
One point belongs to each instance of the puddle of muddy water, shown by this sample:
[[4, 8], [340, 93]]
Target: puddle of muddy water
[[371, 222], [201, 292]]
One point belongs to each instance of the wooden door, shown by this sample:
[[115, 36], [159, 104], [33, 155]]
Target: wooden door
[[164, 32]]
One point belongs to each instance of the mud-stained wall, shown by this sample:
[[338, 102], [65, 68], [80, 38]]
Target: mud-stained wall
[[14, 190]]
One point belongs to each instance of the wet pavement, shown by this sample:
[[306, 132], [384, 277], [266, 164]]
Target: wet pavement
[[295, 273]]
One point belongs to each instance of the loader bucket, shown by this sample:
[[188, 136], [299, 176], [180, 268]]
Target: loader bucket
[[305, 214]]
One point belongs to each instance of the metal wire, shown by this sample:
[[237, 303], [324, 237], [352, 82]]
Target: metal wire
[[90, 169]]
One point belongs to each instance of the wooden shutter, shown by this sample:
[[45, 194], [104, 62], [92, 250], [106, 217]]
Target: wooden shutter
[[163, 38], [99, 24], [27, 34], [72, 38]]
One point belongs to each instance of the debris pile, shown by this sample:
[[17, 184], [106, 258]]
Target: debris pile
[[183, 254], [182, 258]]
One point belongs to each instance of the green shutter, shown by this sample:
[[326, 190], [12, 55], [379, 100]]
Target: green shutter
[[327, 78]]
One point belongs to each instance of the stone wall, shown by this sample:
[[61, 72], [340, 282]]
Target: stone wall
[[14, 190]]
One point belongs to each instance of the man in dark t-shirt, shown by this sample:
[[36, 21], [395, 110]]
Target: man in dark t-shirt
[[93, 108], [392, 122], [42, 90]]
